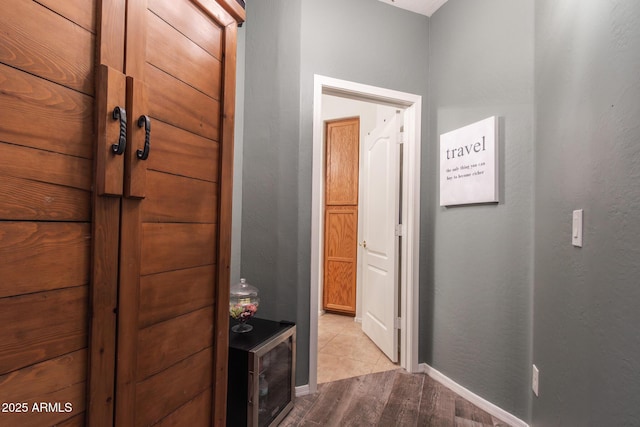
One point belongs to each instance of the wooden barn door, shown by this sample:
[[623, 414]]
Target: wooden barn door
[[172, 256], [173, 298], [47, 100], [114, 269]]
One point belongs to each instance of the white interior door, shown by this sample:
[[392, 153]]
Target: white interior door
[[379, 243]]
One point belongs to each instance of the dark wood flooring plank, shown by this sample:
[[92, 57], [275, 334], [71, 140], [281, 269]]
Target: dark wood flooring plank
[[366, 408], [332, 402], [437, 405], [467, 410], [301, 407], [409, 400], [464, 422], [404, 402], [496, 422]]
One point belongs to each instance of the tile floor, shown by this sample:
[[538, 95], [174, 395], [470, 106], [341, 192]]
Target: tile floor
[[344, 351]]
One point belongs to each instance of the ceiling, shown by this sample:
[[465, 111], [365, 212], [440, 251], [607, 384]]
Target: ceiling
[[423, 7]]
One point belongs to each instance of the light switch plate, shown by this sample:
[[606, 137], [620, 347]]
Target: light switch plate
[[576, 228], [535, 379]]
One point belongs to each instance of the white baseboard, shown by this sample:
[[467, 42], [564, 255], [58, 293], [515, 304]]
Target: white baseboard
[[472, 397], [302, 390]]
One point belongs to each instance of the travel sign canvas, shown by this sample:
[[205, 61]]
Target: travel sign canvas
[[469, 164]]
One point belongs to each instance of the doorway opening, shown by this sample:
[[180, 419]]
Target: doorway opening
[[410, 104]]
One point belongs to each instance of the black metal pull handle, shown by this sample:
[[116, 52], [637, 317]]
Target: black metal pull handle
[[120, 113], [146, 122]]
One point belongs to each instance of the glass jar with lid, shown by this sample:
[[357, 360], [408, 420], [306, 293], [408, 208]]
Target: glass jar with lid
[[243, 304]]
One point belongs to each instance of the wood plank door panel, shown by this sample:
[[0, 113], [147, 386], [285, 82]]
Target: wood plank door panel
[[341, 234], [83, 247], [341, 172], [173, 292], [47, 52]]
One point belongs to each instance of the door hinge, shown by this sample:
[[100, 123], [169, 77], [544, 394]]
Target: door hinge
[[396, 323], [399, 230]]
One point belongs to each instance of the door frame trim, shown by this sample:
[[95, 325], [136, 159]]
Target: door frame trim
[[412, 105]]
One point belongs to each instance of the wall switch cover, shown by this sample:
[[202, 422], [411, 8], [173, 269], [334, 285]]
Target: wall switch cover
[[535, 373], [576, 229]]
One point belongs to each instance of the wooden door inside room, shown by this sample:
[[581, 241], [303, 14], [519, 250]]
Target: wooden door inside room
[[114, 277], [47, 99], [341, 215], [173, 286]]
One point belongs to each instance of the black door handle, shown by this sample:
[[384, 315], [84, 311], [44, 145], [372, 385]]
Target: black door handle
[[120, 113], [146, 122]]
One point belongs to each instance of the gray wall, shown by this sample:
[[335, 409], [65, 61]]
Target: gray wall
[[501, 286], [480, 296], [286, 43], [270, 157], [236, 221], [586, 322]]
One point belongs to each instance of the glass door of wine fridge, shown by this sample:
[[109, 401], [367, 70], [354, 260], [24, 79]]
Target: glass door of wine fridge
[[261, 383], [274, 387]]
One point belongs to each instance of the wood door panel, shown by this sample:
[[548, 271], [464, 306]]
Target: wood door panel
[[342, 162], [196, 412], [341, 231], [189, 19], [43, 256], [340, 256], [339, 292], [81, 12], [27, 44], [171, 341], [183, 153], [45, 166], [177, 103], [77, 421], [40, 326], [37, 381], [162, 394], [74, 395], [172, 198], [63, 116], [167, 247], [173, 53], [24, 199], [57, 380], [170, 294]]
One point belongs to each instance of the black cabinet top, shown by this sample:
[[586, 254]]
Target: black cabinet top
[[262, 330]]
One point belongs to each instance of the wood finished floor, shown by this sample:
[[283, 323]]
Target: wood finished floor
[[387, 399]]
